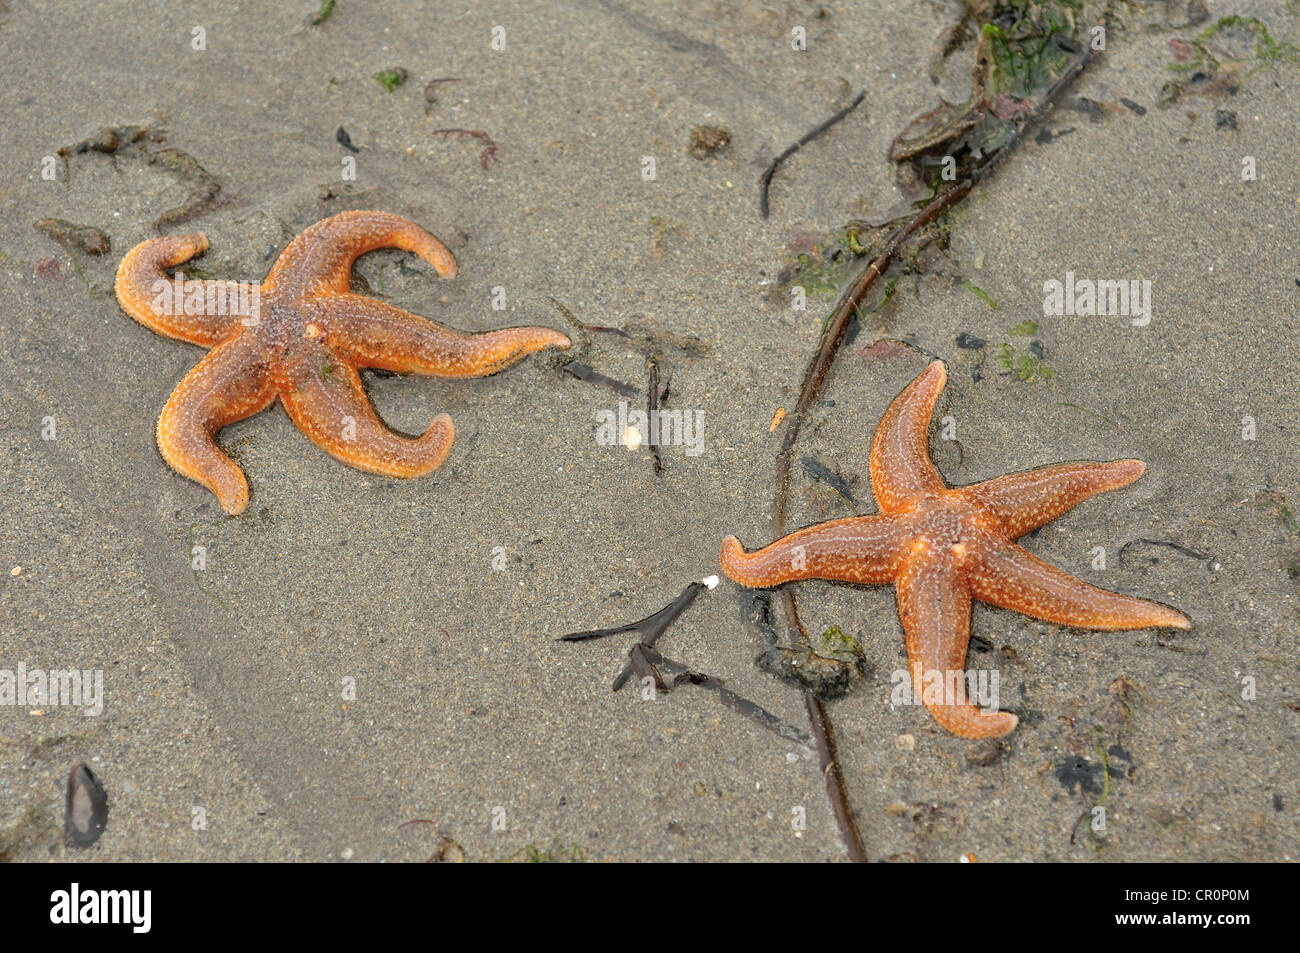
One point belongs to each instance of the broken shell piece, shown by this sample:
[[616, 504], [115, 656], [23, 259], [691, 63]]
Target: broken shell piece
[[86, 812]]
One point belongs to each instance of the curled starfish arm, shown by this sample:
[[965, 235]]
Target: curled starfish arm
[[372, 333], [1007, 575], [1025, 501], [901, 471], [155, 299], [324, 253], [325, 399], [861, 549], [229, 384], [935, 610]]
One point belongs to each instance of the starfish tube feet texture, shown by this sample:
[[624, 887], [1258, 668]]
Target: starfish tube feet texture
[[301, 336], [941, 547]]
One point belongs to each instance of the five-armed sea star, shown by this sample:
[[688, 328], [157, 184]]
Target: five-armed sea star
[[301, 336], [940, 547]]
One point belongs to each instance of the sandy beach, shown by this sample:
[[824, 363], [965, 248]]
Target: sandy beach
[[359, 652]]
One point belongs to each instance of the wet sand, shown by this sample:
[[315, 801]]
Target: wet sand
[[225, 734]]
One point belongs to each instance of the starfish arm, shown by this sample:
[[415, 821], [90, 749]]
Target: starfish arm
[[1004, 574], [324, 253], [230, 383], [901, 471], [1025, 501], [935, 610], [867, 550], [325, 399], [372, 333], [155, 299]]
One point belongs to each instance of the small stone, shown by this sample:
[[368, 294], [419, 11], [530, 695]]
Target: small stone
[[1225, 119], [708, 141], [905, 742], [447, 852]]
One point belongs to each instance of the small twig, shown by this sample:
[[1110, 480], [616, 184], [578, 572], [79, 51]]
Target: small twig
[[489, 152], [766, 181], [645, 661], [440, 849], [835, 792], [736, 702], [651, 627], [652, 414], [584, 373], [429, 98], [820, 471], [643, 667], [1168, 543]]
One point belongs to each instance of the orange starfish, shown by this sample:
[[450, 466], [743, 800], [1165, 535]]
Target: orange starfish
[[300, 336], [940, 547]]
